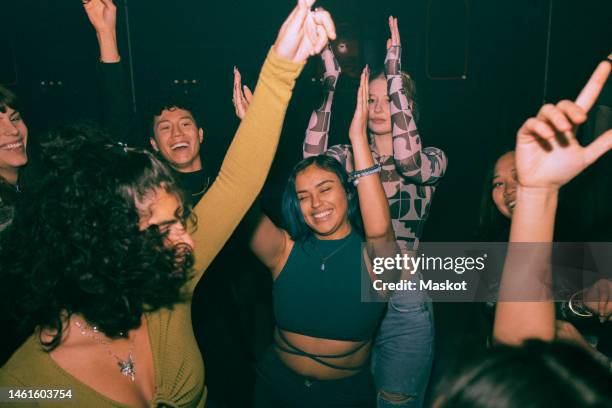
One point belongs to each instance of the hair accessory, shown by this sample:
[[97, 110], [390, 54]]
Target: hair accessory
[[354, 176], [119, 145], [123, 146]]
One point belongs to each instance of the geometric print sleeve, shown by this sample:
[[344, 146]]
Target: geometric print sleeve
[[417, 164], [317, 134], [344, 154]]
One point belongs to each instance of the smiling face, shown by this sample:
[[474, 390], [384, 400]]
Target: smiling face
[[323, 202], [13, 143], [178, 139], [164, 210], [379, 115], [504, 184]]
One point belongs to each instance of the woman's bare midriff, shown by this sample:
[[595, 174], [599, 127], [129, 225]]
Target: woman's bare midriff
[[307, 367]]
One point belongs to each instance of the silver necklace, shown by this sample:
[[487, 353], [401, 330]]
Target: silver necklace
[[334, 252], [126, 367]]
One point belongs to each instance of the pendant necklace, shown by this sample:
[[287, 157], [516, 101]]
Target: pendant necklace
[[334, 252], [126, 367]]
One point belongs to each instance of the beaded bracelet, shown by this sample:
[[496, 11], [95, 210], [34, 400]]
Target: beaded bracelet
[[354, 176]]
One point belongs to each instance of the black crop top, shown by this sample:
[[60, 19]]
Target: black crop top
[[326, 303]]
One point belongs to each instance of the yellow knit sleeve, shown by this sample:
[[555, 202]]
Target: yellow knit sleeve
[[246, 164]]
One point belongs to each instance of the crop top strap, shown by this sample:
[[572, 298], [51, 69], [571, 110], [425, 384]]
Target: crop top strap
[[288, 347]]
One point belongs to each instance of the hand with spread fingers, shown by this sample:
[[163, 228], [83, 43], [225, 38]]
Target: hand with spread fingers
[[359, 124], [242, 95], [547, 152], [304, 33]]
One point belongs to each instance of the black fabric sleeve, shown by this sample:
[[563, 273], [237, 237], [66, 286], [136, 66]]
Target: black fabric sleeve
[[118, 116]]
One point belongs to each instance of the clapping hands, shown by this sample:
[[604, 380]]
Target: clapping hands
[[304, 33]]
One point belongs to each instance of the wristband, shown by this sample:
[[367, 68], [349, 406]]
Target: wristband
[[354, 176]]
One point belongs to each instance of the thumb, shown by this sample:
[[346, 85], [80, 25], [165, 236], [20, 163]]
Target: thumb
[[247, 93], [598, 147]]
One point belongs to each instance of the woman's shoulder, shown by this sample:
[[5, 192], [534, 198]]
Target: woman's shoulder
[[29, 365]]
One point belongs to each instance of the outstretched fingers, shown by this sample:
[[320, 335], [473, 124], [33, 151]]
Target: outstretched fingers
[[592, 89], [598, 147]]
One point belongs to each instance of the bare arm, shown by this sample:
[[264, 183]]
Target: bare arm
[[269, 243], [417, 164], [240, 178], [103, 17], [117, 113], [547, 157], [317, 134], [372, 200]]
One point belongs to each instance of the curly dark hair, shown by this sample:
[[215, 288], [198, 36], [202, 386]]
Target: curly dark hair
[[75, 245]]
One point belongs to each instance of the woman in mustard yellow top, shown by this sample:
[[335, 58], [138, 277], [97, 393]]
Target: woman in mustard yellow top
[[98, 259]]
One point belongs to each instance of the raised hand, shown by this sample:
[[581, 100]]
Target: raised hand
[[304, 33], [394, 41], [359, 124], [393, 60], [102, 15], [242, 95], [547, 152]]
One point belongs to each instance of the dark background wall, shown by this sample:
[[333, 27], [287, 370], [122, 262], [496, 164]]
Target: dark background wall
[[514, 55]]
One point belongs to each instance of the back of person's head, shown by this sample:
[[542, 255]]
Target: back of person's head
[[75, 244], [292, 213], [535, 375]]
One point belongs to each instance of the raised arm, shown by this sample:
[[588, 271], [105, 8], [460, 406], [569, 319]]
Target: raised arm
[[317, 133], [117, 114], [547, 157], [270, 244], [372, 200], [103, 17], [417, 164], [240, 179]]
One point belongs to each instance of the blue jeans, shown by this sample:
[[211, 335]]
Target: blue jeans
[[402, 355]]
